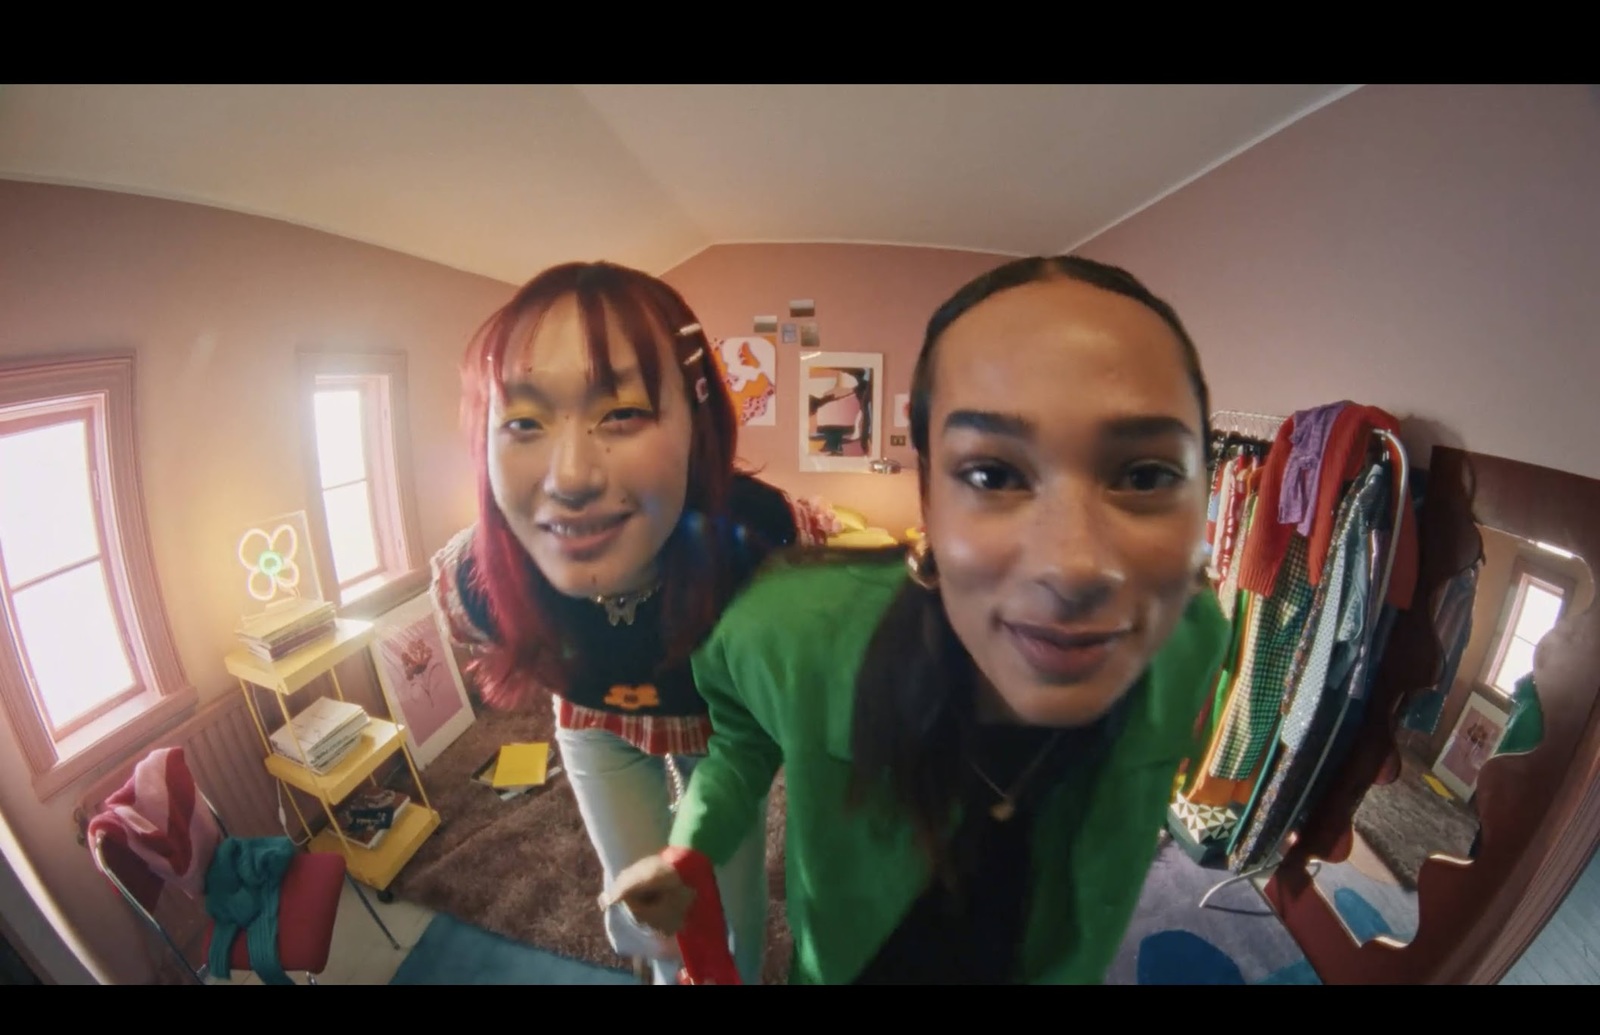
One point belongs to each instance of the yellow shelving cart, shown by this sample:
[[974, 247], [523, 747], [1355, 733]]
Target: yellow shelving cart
[[380, 739]]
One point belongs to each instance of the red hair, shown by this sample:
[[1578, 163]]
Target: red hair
[[696, 560]]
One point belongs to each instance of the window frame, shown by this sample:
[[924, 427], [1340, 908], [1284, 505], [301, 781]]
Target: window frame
[[102, 387], [1524, 574], [402, 572]]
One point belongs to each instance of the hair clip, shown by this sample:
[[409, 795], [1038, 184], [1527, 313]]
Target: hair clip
[[694, 357], [702, 391], [688, 329]]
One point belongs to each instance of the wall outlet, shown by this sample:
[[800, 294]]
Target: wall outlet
[[897, 440]]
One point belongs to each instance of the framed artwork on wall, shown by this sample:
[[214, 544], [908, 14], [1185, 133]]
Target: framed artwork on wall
[[1478, 732], [749, 367], [419, 677], [841, 408]]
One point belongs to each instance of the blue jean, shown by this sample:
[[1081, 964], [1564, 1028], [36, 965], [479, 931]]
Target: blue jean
[[625, 796]]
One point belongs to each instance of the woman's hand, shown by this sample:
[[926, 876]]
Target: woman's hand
[[653, 892]]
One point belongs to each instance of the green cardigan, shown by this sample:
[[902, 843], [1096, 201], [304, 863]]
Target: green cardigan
[[778, 675]]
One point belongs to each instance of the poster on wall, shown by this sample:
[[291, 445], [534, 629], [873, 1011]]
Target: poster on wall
[[841, 403], [749, 367], [420, 681], [1473, 742], [902, 410]]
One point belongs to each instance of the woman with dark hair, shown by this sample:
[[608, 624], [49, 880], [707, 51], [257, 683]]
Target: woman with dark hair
[[979, 737], [613, 529]]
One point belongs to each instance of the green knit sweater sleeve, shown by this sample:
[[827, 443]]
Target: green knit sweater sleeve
[[727, 787]]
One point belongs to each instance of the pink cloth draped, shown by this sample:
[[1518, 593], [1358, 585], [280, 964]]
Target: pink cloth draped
[[159, 817]]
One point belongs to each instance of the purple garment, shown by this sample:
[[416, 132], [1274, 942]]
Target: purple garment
[[1297, 501]]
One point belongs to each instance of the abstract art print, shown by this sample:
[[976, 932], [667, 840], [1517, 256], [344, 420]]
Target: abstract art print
[[749, 367], [420, 679], [841, 400]]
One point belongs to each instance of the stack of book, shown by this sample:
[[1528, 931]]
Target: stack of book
[[366, 816], [327, 730], [280, 631]]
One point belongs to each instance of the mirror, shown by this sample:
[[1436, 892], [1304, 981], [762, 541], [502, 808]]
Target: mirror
[[1489, 621]]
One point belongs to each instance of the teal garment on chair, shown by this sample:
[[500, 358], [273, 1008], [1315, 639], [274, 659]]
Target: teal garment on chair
[[242, 894], [1525, 728]]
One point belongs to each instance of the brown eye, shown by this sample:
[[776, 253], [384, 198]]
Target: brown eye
[[990, 477], [522, 426], [625, 414], [1150, 477]]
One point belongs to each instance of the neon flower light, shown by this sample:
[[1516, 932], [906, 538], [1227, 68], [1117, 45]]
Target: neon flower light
[[270, 562]]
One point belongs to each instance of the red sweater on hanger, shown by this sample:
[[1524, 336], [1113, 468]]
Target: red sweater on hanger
[[1342, 460]]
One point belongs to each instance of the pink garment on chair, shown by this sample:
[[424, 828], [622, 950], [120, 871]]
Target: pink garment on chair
[[159, 817]]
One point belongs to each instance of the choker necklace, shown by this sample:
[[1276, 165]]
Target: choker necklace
[[1006, 807], [621, 607]]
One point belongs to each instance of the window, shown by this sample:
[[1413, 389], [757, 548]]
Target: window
[[362, 505], [87, 665], [1535, 607]]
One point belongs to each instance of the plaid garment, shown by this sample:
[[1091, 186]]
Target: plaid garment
[[1311, 713], [1253, 712]]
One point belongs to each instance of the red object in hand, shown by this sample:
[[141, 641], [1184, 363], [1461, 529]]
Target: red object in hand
[[703, 940]]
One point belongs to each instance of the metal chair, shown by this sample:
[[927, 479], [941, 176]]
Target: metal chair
[[308, 904]]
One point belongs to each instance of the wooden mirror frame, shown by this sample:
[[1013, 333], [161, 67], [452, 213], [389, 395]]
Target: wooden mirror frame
[[1539, 813]]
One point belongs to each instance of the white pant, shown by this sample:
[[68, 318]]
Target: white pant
[[625, 798]]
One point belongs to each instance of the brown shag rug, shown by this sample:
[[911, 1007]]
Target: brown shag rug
[[524, 868], [1404, 822]]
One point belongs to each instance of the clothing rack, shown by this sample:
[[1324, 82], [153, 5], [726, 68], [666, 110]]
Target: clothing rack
[[1265, 427]]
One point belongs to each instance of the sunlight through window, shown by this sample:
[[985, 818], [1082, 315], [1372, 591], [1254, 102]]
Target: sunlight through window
[[346, 484], [54, 574], [1537, 612]]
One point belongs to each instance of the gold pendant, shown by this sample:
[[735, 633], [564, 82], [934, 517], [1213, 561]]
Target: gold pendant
[[1002, 811]]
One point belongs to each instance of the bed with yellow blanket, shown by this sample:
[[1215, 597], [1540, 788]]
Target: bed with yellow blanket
[[856, 532]]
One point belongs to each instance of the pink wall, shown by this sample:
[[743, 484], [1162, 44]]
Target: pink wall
[[1425, 249], [869, 298], [1432, 250], [215, 303]]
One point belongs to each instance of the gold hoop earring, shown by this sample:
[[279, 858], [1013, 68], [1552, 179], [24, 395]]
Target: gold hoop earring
[[919, 562]]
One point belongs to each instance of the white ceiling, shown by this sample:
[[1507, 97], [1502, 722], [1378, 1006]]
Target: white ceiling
[[503, 180]]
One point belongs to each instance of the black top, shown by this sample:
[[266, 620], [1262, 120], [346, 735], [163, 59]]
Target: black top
[[973, 934], [621, 661]]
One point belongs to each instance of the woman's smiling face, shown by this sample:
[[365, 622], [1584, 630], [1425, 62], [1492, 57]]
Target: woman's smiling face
[[1065, 496], [591, 481]]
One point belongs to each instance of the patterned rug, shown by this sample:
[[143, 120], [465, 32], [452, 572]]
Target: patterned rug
[[1235, 940]]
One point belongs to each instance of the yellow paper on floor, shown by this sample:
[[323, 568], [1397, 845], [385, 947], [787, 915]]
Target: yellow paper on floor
[[521, 765], [1438, 788]]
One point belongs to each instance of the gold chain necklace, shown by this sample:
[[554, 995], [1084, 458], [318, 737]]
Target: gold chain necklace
[[1006, 807], [623, 606]]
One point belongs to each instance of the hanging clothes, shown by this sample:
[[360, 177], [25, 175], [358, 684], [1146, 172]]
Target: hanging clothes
[[1294, 538], [1302, 471], [1343, 458], [1311, 713], [1253, 711], [1231, 521], [1453, 620]]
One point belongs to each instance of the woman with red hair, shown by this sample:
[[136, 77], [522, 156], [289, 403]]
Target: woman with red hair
[[613, 528]]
